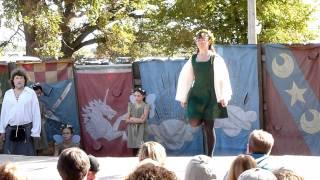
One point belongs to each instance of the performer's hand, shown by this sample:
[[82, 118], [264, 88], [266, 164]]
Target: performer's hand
[[183, 104], [223, 104]]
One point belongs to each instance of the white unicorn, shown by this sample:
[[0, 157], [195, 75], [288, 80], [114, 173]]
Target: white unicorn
[[97, 116]]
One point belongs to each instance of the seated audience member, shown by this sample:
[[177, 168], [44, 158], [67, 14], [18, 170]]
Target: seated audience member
[[239, 165], [286, 174], [154, 151], [9, 171], [151, 172], [94, 168], [67, 140], [257, 174], [200, 167], [73, 164], [260, 144]]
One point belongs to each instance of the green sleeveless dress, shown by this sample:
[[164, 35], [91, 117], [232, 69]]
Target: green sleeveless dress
[[202, 101]]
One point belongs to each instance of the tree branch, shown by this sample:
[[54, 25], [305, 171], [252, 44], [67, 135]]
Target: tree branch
[[91, 41], [5, 43], [84, 33]]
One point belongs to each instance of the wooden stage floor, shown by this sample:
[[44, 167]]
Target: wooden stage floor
[[115, 168]]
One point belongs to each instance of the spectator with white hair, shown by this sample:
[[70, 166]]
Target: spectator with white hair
[[200, 167], [257, 174]]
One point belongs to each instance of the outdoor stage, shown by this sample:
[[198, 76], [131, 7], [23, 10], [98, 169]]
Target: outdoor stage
[[114, 168]]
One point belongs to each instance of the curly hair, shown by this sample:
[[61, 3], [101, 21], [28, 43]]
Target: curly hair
[[9, 171], [151, 172], [207, 33], [286, 174], [202, 33]]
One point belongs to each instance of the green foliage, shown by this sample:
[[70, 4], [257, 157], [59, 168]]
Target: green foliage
[[10, 9], [46, 22], [283, 21], [119, 41], [60, 28]]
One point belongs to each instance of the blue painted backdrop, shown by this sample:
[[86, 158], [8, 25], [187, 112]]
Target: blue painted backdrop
[[167, 123]]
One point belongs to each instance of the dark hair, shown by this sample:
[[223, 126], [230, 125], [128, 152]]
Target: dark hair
[[73, 164], [36, 86], [66, 126], [18, 72], [140, 90], [94, 164]]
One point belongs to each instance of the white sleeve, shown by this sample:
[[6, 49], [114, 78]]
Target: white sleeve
[[222, 83], [36, 120], [4, 109], [185, 81]]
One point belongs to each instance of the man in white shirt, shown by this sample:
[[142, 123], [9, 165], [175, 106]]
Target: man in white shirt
[[20, 116]]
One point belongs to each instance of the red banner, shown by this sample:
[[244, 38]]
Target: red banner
[[103, 94], [291, 98]]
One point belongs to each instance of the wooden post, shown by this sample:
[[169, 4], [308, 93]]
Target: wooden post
[[252, 35]]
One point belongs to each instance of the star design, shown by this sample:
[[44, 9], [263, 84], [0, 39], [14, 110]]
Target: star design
[[296, 94]]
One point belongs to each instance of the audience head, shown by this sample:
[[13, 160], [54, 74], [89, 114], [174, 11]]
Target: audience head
[[151, 172], [152, 150], [286, 174], [257, 174], [200, 167], [260, 142], [73, 164], [9, 171], [94, 168], [239, 165]]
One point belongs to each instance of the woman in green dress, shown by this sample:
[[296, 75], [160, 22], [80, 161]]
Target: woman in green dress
[[204, 87], [136, 121]]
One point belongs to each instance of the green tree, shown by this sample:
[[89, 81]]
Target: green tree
[[62, 27], [283, 21]]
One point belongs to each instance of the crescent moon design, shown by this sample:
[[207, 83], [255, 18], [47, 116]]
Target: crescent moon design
[[312, 126], [284, 70]]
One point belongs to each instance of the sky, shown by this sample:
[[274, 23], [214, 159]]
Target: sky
[[315, 25]]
